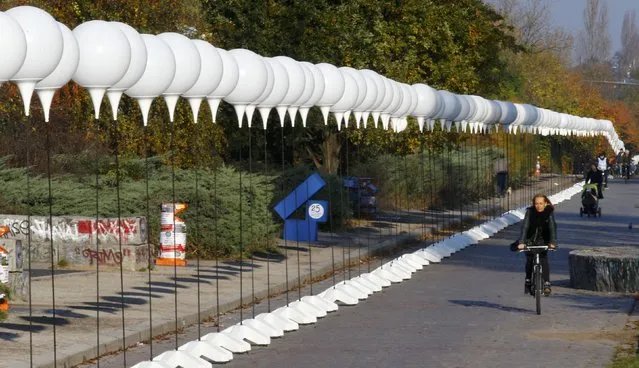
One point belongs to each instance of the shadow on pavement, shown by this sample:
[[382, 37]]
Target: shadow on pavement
[[485, 304], [44, 320]]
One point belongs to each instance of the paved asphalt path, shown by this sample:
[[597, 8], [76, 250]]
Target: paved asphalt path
[[470, 310]]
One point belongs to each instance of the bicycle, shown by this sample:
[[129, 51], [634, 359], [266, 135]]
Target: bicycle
[[537, 278]]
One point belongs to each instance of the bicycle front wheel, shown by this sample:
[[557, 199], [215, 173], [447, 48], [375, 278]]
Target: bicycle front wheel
[[538, 288]]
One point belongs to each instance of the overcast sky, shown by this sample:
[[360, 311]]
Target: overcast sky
[[569, 15]]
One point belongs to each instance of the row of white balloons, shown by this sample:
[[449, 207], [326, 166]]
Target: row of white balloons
[[41, 54]]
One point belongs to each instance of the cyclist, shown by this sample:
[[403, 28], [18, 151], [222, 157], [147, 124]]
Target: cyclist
[[538, 228]]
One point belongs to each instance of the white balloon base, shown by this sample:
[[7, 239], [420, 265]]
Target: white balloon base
[[340, 293], [242, 332], [321, 303], [263, 327], [228, 342], [308, 308], [376, 280], [374, 287], [283, 323], [388, 274], [295, 315], [178, 358], [151, 364], [207, 351]]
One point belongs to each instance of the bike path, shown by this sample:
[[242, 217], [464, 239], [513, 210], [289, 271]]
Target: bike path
[[470, 311]]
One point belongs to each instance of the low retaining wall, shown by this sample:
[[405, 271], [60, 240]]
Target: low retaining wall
[[81, 241]]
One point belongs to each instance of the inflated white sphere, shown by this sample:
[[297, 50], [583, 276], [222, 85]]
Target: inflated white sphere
[[158, 72], [334, 84], [105, 54], [252, 77], [137, 62], [44, 43], [13, 47], [187, 62], [68, 63], [63, 72]]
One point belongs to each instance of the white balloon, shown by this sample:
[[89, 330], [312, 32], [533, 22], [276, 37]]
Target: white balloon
[[309, 88], [63, 72], [105, 55], [270, 83], [211, 72], [380, 87], [253, 79], [348, 99], [158, 74], [136, 68], [398, 96], [318, 89], [280, 88], [334, 85], [13, 47], [427, 103], [389, 94], [361, 88], [187, 68], [44, 48], [296, 85], [370, 97], [230, 78]]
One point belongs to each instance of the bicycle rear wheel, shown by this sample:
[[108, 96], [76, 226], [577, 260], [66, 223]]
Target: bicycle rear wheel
[[538, 288]]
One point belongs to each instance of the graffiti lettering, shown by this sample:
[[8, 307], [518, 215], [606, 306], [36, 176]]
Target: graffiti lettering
[[105, 256], [63, 229]]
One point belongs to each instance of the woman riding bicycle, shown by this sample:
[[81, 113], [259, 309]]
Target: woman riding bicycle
[[538, 228]]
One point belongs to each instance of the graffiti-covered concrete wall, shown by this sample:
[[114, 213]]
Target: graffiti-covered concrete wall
[[81, 241]]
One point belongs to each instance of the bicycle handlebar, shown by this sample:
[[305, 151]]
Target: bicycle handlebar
[[533, 248]]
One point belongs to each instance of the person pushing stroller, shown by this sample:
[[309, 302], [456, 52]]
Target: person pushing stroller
[[595, 176]]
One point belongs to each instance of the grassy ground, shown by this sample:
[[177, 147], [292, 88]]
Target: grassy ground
[[627, 354]]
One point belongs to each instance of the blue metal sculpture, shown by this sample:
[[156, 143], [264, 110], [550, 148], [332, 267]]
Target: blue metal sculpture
[[316, 211]]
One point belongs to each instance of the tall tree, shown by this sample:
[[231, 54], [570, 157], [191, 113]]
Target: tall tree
[[533, 27], [629, 44], [593, 45]]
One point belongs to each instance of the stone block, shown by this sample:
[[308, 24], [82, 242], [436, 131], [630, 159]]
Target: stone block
[[612, 269]]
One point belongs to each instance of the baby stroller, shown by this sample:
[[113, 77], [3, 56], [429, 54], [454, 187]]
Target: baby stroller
[[590, 201]]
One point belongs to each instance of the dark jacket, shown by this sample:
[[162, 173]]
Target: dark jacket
[[594, 177], [537, 223]]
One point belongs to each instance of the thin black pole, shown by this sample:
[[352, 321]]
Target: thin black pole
[[149, 237], [251, 204], [268, 232], [27, 121], [175, 288], [241, 189], [97, 238], [216, 243], [116, 136], [285, 240], [198, 240]]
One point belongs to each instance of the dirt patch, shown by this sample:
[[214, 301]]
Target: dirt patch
[[615, 336]]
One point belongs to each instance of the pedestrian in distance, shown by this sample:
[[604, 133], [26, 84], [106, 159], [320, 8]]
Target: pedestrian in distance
[[500, 167], [602, 164], [538, 228]]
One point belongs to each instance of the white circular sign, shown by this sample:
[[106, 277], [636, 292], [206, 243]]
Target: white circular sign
[[316, 211]]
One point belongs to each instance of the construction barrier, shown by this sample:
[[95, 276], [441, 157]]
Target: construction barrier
[[172, 236]]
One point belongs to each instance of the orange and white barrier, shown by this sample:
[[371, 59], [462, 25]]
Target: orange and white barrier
[[172, 236]]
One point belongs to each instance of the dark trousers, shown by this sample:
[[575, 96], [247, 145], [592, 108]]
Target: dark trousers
[[502, 181], [543, 258], [604, 174]]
